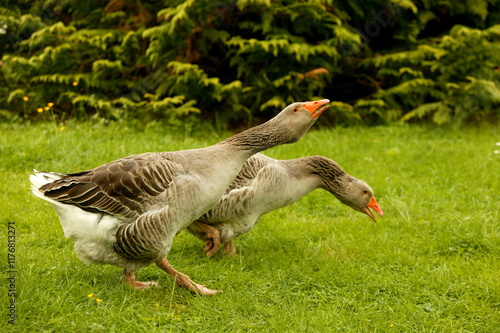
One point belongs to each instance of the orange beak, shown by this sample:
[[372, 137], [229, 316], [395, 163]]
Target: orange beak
[[373, 204], [316, 108]]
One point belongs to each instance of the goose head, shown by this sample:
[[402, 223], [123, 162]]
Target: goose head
[[288, 126], [358, 195], [351, 191], [297, 118]]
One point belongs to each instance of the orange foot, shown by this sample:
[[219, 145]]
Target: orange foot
[[184, 281], [129, 279], [229, 249], [212, 239]]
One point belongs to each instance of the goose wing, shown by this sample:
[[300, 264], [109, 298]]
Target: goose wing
[[125, 187], [249, 171]]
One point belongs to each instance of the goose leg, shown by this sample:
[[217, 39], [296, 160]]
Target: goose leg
[[129, 278], [229, 249], [183, 280], [212, 238]]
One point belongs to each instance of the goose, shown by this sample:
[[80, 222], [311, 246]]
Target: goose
[[265, 184], [127, 212]]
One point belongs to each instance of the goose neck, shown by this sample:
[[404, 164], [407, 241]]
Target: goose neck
[[260, 138]]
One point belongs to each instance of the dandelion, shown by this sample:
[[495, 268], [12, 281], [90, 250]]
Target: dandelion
[[62, 129], [50, 105], [75, 83], [47, 108], [26, 98], [90, 295], [391, 325], [39, 110], [98, 300]]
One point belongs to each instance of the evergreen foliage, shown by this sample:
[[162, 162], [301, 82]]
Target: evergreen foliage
[[453, 78], [233, 61]]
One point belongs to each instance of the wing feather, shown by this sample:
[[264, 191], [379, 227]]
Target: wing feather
[[249, 171], [125, 187]]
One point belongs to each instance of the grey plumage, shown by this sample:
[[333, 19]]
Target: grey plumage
[[265, 184], [127, 212]]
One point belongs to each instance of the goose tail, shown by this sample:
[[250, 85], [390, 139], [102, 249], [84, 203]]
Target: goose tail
[[40, 178]]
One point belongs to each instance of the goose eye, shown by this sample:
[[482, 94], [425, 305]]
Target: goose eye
[[295, 109], [365, 192]]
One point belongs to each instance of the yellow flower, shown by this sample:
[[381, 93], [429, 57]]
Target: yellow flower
[[391, 325], [50, 105], [46, 108], [62, 129], [26, 98], [75, 83], [90, 295], [98, 300], [39, 110]]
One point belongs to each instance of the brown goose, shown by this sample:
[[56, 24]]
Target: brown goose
[[265, 184], [127, 212]]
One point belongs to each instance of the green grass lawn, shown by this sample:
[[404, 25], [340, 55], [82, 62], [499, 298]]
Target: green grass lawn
[[430, 265]]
